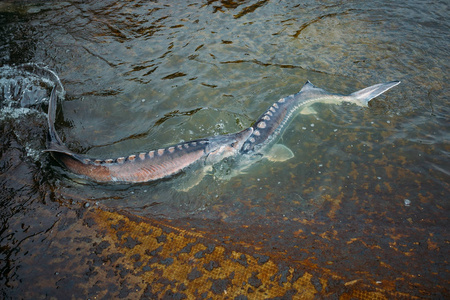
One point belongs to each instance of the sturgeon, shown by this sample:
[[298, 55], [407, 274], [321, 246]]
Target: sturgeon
[[144, 166], [269, 127], [256, 141]]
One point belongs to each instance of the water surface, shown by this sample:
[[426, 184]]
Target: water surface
[[141, 75]]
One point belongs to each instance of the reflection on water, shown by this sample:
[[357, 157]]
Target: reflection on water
[[143, 75]]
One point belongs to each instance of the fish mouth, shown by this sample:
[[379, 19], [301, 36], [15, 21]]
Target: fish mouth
[[242, 137], [228, 145]]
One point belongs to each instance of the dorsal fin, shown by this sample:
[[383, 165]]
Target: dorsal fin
[[309, 87]]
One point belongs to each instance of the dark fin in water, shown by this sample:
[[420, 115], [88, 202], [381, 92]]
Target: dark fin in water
[[54, 143]]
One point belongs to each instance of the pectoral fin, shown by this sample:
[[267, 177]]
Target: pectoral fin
[[308, 111], [194, 178], [278, 153]]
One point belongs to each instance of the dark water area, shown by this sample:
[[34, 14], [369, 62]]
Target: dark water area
[[365, 200]]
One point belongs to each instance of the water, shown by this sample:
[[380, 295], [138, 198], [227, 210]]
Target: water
[[143, 75]]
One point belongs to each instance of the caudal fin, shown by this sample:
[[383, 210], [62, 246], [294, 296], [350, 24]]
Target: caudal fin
[[54, 143], [367, 94]]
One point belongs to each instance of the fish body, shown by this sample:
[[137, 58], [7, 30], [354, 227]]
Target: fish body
[[148, 166], [144, 166], [269, 126], [259, 140]]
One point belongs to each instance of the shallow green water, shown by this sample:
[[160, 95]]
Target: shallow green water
[[141, 75]]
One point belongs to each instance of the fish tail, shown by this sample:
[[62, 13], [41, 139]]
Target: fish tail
[[54, 143], [365, 95]]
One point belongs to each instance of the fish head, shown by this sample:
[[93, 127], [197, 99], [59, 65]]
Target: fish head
[[224, 146]]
